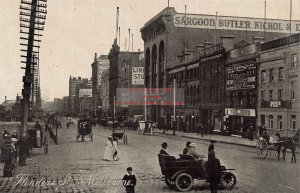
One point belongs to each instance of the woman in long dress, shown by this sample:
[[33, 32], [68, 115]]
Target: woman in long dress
[[109, 150]]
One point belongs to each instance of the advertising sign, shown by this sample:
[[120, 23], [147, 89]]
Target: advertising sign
[[241, 76], [85, 92], [137, 75], [235, 23], [240, 112]]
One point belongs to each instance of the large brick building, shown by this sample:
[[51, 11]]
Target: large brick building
[[170, 34], [120, 76], [279, 85], [99, 65]]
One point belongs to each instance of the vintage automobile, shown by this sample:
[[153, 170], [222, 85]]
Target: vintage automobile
[[180, 173], [84, 128]]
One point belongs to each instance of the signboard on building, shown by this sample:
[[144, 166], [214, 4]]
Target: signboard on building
[[241, 76], [137, 75], [85, 92], [240, 112], [235, 23], [275, 104]]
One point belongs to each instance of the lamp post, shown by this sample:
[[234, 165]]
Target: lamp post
[[114, 108], [174, 104]]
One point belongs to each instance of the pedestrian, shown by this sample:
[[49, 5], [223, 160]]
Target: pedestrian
[[198, 128], [129, 181], [211, 147], [187, 146], [214, 171], [163, 150], [8, 154], [115, 146], [109, 150]]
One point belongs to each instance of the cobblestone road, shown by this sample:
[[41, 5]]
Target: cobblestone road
[[74, 166]]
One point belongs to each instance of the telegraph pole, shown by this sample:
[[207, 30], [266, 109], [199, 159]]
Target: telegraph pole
[[30, 14]]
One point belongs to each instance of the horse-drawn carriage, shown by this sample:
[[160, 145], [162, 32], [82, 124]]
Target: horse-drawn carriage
[[38, 138], [146, 127], [118, 133], [84, 128], [267, 145], [180, 173]]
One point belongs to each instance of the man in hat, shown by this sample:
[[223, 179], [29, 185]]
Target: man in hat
[[211, 147], [187, 146], [8, 153], [163, 150], [214, 171]]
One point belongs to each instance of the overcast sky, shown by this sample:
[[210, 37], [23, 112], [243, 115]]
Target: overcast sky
[[76, 29]]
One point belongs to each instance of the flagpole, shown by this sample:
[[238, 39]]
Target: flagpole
[[265, 16], [174, 109], [291, 17]]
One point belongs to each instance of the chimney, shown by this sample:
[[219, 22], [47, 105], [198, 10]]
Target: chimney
[[95, 59], [139, 50], [227, 41], [258, 39], [208, 44], [199, 47]]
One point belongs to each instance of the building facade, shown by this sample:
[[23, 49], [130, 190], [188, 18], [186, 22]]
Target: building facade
[[99, 65], [241, 88], [122, 64], [279, 85], [169, 34], [104, 91]]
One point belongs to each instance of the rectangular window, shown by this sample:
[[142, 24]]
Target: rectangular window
[[271, 74], [262, 95], [280, 77], [280, 91], [270, 95], [263, 76], [293, 90], [279, 122], [271, 122], [294, 60], [293, 122], [262, 119]]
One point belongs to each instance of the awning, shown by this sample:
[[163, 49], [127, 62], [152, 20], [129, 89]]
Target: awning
[[176, 70], [193, 66]]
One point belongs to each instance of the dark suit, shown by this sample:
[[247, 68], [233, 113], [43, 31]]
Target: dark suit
[[214, 173], [163, 152]]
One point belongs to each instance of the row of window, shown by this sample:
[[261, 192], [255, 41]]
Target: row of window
[[278, 123], [194, 95], [279, 93], [202, 73]]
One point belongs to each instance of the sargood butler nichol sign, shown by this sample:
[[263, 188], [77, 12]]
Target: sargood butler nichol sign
[[137, 75], [235, 23]]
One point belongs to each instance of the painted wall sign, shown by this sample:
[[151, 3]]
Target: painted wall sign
[[235, 23], [137, 75]]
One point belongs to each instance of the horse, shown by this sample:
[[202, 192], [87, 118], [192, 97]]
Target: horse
[[288, 143]]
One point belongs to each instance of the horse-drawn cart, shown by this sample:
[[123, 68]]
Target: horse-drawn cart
[[38, 139], [120, 134], [180, 173], [84, 128]]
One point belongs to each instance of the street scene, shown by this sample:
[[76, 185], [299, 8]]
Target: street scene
[[149, 96]]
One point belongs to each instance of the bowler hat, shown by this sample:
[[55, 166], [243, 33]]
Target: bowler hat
[[164, 144]]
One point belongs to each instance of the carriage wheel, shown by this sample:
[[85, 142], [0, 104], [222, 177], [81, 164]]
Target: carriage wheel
[[228, 181], [261, 148], [184, 182], [45, 145], [170, 182]]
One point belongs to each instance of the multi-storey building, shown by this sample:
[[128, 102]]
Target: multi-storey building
[[122, 64], [99, 65], [169, 34], [104, 91], [241, 87], [279, 85]]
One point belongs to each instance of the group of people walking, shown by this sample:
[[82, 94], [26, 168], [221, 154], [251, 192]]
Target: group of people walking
[[210, 169], [111, 150]]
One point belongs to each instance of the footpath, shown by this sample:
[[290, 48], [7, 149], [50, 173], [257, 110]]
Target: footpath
[[219, 138]]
